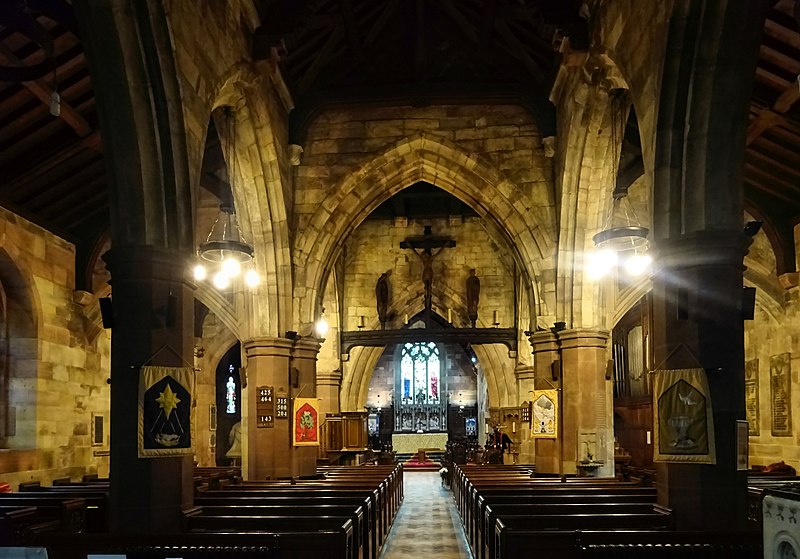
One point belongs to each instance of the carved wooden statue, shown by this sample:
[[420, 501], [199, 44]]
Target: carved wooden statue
[[382, 299], [473, 295]]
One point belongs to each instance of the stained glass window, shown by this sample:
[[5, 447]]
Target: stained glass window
[[420, 373], [230, 393]]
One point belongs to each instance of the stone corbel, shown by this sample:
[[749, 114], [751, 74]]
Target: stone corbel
[[789, 280]]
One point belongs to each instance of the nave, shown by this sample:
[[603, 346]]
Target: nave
[[427, 522]]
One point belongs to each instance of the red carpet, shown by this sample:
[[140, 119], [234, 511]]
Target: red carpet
[[427, 465]]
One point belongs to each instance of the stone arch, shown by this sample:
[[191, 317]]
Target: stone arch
[[258, 196], [19, 353], [500, 380], [528, 231]]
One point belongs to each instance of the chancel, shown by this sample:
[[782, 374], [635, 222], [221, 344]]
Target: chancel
[[493, 261]]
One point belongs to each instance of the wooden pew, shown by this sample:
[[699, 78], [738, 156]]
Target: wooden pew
[[96, 502], [19, 524], [184, 545], [370, 519], [634, 544], [320, 536], [70, 511], [356, 513], [597, 516], [298, 491]]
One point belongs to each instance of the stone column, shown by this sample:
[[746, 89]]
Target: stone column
[[525, 385], [153, 317], [304, 359], [545, 348], [287, 366], [587, 400], [697, 307], [329, 384]]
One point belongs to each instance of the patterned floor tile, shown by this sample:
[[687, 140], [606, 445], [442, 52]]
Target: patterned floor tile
[[427, 522]]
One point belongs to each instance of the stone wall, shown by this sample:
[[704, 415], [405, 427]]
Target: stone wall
[[58, 376], [374, 248], [768, 336]]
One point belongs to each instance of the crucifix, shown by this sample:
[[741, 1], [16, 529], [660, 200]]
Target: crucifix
[[427, 247]]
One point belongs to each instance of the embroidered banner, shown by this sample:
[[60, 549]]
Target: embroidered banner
[[684, 425], [306, 422], [165, 405], [545, 414]]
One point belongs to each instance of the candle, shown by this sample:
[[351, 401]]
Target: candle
[[361, 321], [513, 426], [405, 319], [495, 318], [449, 316]]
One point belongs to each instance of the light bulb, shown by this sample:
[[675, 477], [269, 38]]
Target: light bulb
[[221, 280], [637, 264], [199, 272], [600, 263], [251, 278], [231, 267], [321, 328]]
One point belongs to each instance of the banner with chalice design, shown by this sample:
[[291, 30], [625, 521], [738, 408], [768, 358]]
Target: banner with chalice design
[[165, 405]]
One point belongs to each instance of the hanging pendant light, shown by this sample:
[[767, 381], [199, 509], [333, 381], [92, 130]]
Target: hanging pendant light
[[226, 255], [623, 240]]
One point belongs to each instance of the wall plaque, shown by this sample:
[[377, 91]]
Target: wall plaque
[[751, 396], [265, 407], [780, 384], [281, 405]]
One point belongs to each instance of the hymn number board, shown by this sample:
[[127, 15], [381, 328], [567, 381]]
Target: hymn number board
[[265, 407], [281, 405]]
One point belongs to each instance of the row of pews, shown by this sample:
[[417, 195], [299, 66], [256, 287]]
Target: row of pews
[[340, 513], [507, 511]]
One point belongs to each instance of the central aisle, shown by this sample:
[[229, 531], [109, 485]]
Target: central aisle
[[427, 524]]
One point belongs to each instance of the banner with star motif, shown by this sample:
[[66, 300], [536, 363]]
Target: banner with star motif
[[165, 405]]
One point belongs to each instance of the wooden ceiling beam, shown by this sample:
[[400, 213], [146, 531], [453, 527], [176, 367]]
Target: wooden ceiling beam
[[771, 190], [325, 54], [461, 21], [380, 23], [43, 92], [45, 167], [518, 50], [350, 24], [757, 156], [777, 185]]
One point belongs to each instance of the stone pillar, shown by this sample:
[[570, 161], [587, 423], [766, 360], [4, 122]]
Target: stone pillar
[[304, 359], [545, 348], [587, 400], [525, 384], [153, 318], [287, 366], [329, 384], [697, 307]]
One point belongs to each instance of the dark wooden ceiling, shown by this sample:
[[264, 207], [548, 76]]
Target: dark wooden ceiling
[[350, 52]]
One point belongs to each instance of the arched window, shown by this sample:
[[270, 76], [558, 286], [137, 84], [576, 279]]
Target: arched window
[[420, 373], [230, 392]]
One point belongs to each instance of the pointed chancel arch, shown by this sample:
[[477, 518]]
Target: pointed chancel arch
[[497, 366], [528, 230]]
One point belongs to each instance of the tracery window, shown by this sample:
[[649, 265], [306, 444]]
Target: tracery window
[[420, 373]]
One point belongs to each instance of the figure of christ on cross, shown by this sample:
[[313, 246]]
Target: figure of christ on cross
[[427, 247]]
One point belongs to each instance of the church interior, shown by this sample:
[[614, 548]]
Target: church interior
[[284, 249]]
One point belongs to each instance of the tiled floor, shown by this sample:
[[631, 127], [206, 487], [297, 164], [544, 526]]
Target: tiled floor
[[427, 524]]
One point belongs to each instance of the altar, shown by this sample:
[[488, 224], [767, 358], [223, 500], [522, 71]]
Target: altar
[[409, 443]]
